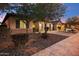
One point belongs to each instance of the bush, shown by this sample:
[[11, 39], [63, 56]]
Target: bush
[[4, 29], [5, 37]]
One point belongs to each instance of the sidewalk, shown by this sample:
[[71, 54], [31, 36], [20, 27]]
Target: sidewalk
[[66, 47]]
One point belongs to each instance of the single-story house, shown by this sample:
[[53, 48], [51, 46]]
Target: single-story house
[[17, 25]]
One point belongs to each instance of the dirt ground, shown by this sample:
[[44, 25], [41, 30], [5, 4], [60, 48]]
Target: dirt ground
[[34, 44]]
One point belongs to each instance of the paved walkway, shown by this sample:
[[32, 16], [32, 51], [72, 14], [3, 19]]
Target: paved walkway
[[61, 33], [66, 47], [52, 32]]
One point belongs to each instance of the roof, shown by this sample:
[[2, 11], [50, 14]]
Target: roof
[[4, 17]]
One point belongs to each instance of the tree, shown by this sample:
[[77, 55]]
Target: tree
[[73, 21], [37, 12], [46, 12], [41, 12]]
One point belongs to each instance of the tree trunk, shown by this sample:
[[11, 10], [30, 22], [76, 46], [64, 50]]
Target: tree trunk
[[27, 34], [27, 30], [44, 35], [45, 29]]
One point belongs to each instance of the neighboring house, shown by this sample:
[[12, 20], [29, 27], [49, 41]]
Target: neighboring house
[[60, 26]]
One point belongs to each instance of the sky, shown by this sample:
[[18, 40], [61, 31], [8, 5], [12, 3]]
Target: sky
[[2, 16], [72, 9]]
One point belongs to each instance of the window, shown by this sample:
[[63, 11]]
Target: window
[[17, 23], [22, 25]]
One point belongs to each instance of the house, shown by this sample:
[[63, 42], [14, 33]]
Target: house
[[61, 26], [16, 25]]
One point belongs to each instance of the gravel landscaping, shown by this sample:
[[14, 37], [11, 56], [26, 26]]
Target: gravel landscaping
[[34, 44]]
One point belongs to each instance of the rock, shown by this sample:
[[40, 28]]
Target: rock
[[30, 50], [30, 42]]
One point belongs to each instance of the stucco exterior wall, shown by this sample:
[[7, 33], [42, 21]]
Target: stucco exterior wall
[[39, 26], [11, 23]]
